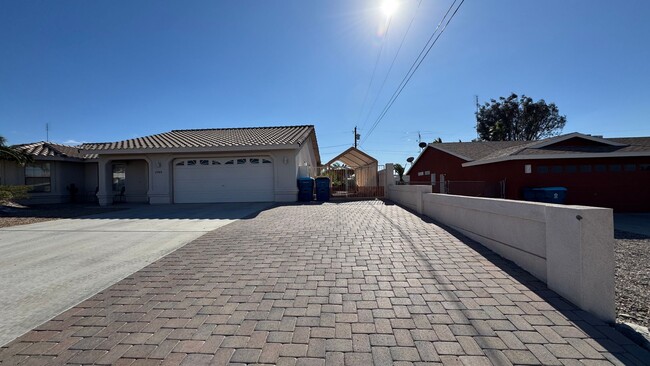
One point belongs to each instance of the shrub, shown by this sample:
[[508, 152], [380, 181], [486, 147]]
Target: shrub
[[11, 193]]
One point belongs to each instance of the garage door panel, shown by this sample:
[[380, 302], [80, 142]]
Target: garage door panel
[[222, 195], [224, 182]]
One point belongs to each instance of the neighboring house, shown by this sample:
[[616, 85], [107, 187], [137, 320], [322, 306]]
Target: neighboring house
[[602, 172], [259, 164], [53, 174]]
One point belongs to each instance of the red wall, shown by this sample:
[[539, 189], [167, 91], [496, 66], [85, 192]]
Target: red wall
[[621, 190]]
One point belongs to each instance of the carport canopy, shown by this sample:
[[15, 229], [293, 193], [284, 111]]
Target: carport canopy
[[353, 158]]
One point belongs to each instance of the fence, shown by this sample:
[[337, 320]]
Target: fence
[[471, 188]]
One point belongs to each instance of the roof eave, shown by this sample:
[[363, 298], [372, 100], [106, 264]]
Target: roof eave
[[558, 156]]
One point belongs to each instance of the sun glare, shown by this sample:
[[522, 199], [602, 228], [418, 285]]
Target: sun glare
[[389, 7]]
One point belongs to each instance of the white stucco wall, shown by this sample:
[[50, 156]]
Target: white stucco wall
[[137, 181], [408, 196], [11, 173], [571, 248], [90, 177]]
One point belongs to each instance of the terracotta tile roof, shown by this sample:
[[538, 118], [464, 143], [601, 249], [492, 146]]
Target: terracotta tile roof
[[214, 137], [52, 150]]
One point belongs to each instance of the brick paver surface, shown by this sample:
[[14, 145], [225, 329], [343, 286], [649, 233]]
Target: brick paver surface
[[332, 284]]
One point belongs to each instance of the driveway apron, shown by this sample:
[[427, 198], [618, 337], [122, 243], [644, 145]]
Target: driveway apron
[[342, 284], [48, 267]]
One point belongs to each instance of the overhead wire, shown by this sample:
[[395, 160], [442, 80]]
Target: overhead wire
[[415, 66], [326, 147], [381, 88]]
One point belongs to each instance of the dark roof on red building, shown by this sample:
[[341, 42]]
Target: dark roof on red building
[[573, 144]]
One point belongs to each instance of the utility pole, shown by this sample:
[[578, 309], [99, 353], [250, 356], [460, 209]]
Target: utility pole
[[357, 137]]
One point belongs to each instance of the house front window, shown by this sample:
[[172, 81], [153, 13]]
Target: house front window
[[37, 175], [119, 177]]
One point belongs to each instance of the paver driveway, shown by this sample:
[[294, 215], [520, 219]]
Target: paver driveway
[[48, 267], [353, 284]]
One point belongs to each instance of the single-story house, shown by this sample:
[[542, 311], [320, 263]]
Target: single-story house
[[259, 164], [57, 173], [597, 171]]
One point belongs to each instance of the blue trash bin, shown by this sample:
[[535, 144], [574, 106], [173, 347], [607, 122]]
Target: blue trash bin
[[322, 189], [305, 189], [546, 194]]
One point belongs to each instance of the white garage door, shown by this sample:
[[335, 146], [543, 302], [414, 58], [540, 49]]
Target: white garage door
[[237, 179]]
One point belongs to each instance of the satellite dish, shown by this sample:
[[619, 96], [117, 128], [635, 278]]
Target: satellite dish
[[410, 159], [423, 145]]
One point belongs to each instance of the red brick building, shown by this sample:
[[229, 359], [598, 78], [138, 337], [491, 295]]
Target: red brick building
[[603, 172]]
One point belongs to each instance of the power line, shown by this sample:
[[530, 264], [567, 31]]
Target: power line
[[381, 88], [415, 66], [326, 147]]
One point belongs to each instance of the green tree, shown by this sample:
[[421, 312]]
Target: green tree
[[11, 153], [518, 118], [399, 169]]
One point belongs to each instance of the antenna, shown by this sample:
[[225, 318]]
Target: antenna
[[47, 132], [477, 109]]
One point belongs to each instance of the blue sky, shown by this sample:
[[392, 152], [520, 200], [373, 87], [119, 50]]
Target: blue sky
[[112, 70]]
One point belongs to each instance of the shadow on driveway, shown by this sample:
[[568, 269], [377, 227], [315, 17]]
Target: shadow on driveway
[[609, 339]]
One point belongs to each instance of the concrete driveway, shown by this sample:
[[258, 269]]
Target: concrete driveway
[[357, 283], [48, 267]]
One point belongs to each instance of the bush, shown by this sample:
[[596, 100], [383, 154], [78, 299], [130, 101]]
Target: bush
[[12, 193]]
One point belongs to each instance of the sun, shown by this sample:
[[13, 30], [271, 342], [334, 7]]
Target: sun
[[389, 7]]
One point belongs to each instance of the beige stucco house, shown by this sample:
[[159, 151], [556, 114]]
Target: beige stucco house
[[57, 170], [259, 164]]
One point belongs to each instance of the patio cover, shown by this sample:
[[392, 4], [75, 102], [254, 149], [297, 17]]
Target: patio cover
[[354, 158], [364, 165]]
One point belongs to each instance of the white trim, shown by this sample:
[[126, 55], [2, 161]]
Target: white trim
[[555, 140], [559, 156]]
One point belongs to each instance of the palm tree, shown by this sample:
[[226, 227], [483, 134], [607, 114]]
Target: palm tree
[[399, 169], [11, 153]]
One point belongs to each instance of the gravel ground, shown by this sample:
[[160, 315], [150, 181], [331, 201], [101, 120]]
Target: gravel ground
[[13, 215], [632, 278]]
